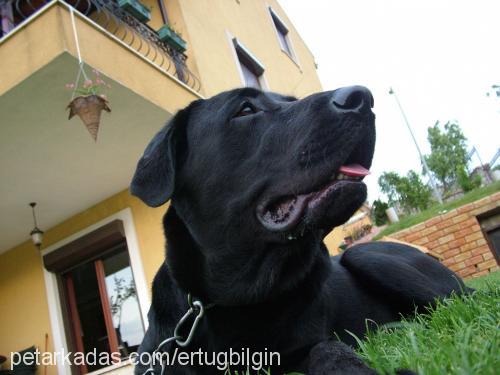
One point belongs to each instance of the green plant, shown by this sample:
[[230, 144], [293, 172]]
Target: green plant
[[459, 336], [448, 150], [94, 86], [409, 191], [465, 181], [378, 212]]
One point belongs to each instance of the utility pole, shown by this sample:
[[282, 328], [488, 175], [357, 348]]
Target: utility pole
[[424, 163]]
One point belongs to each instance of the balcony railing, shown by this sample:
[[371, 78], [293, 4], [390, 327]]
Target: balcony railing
[[115, 21]]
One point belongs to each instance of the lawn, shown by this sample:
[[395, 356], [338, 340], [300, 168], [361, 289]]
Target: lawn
[[409, 221], [459, 336]]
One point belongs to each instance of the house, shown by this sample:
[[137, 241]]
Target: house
[[88, 286], [356, 227]]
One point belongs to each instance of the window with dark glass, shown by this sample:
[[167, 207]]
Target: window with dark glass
[[103, 306], [98, 293], [282, 32], [252, 70]]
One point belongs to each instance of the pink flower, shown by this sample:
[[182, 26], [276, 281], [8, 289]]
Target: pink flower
[[96, 72], [70, 85], [87, 83]]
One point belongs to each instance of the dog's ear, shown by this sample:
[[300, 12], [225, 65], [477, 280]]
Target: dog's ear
[[154, 178]]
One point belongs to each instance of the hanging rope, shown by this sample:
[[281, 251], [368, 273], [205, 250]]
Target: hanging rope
[[81, 64]]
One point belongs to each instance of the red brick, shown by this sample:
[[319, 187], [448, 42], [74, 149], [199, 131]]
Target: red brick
[[418, 227], [412, 237], [480, 250], [481, 273], [457, 243], [463, 256], [450, 253], [465, 208], [441, 248], [463, 232], [433, 244], [457, 266], [421, 241], [401, 233], [481, 242], [460, 218], [487, 255], [445, 224], [446, 239], [487, 264], [435, 236], [449, 215], [474, 260], [482, 202], [433, 221], [427, 231], [448, 262], [452, 229], [468, 246], [473, 237], [467, 271]]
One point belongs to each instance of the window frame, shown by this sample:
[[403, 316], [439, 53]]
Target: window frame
[[54, 287], [279, 26], [251, 62]]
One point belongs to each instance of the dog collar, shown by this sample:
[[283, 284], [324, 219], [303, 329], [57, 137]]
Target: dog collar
[[197, 309]]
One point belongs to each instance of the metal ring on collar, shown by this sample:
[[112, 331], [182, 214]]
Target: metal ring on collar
[[196, 309]]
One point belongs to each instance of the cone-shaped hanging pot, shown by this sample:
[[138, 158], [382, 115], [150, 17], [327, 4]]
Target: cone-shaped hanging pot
[[89, 109]]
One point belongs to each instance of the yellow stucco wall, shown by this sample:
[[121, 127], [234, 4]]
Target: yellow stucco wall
[[336, 236], [205, 25], [50, 34], [24, 317], [24, 314]]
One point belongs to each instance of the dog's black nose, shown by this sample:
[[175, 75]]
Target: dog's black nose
[[353, 99]]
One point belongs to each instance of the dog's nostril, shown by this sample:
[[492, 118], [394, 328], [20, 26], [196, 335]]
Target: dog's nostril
[[354, 98]]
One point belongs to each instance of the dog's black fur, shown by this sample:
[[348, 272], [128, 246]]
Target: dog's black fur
[[231, 165]]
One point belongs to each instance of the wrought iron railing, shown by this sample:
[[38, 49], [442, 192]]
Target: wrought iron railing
[[117, 22]]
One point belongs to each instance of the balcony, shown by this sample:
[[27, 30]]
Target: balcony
[[47, 158], [120, 23]]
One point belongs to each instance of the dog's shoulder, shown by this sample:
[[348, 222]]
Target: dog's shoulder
[[402, 272]]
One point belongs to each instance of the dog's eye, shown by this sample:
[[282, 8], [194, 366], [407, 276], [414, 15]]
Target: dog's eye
[[245, 110]]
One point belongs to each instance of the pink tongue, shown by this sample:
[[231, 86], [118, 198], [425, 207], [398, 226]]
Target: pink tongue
[[354, 170]]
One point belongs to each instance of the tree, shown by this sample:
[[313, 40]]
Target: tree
[[409, 191], [465, 181], [448, 150], [378, 212]]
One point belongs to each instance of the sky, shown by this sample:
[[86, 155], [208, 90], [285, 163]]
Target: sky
[[440, 57]]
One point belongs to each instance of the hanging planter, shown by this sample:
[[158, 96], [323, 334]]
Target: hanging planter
[[90, 103], [172, 38], [89, 109]]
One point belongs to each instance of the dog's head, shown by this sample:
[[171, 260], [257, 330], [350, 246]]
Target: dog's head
[[251, 174]]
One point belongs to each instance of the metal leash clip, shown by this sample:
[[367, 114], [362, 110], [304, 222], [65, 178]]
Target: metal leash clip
[[195, 307]]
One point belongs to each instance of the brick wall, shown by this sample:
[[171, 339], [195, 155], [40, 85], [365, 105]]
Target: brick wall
[[457, 238]]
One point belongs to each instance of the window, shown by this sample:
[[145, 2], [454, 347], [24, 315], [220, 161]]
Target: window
[[282, 32], [101, 307], [251, 68]]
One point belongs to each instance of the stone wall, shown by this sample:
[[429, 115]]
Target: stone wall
[[457, 238]]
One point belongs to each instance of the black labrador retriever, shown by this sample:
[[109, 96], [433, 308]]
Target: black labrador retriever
[[256, 181]]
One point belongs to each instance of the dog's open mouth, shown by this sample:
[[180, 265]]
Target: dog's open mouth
[[285, 212]]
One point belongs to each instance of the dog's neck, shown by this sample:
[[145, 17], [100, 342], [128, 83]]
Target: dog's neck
[[190, 269]]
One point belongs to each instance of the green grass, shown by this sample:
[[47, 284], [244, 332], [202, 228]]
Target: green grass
[[435, 210], [460, 336]]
